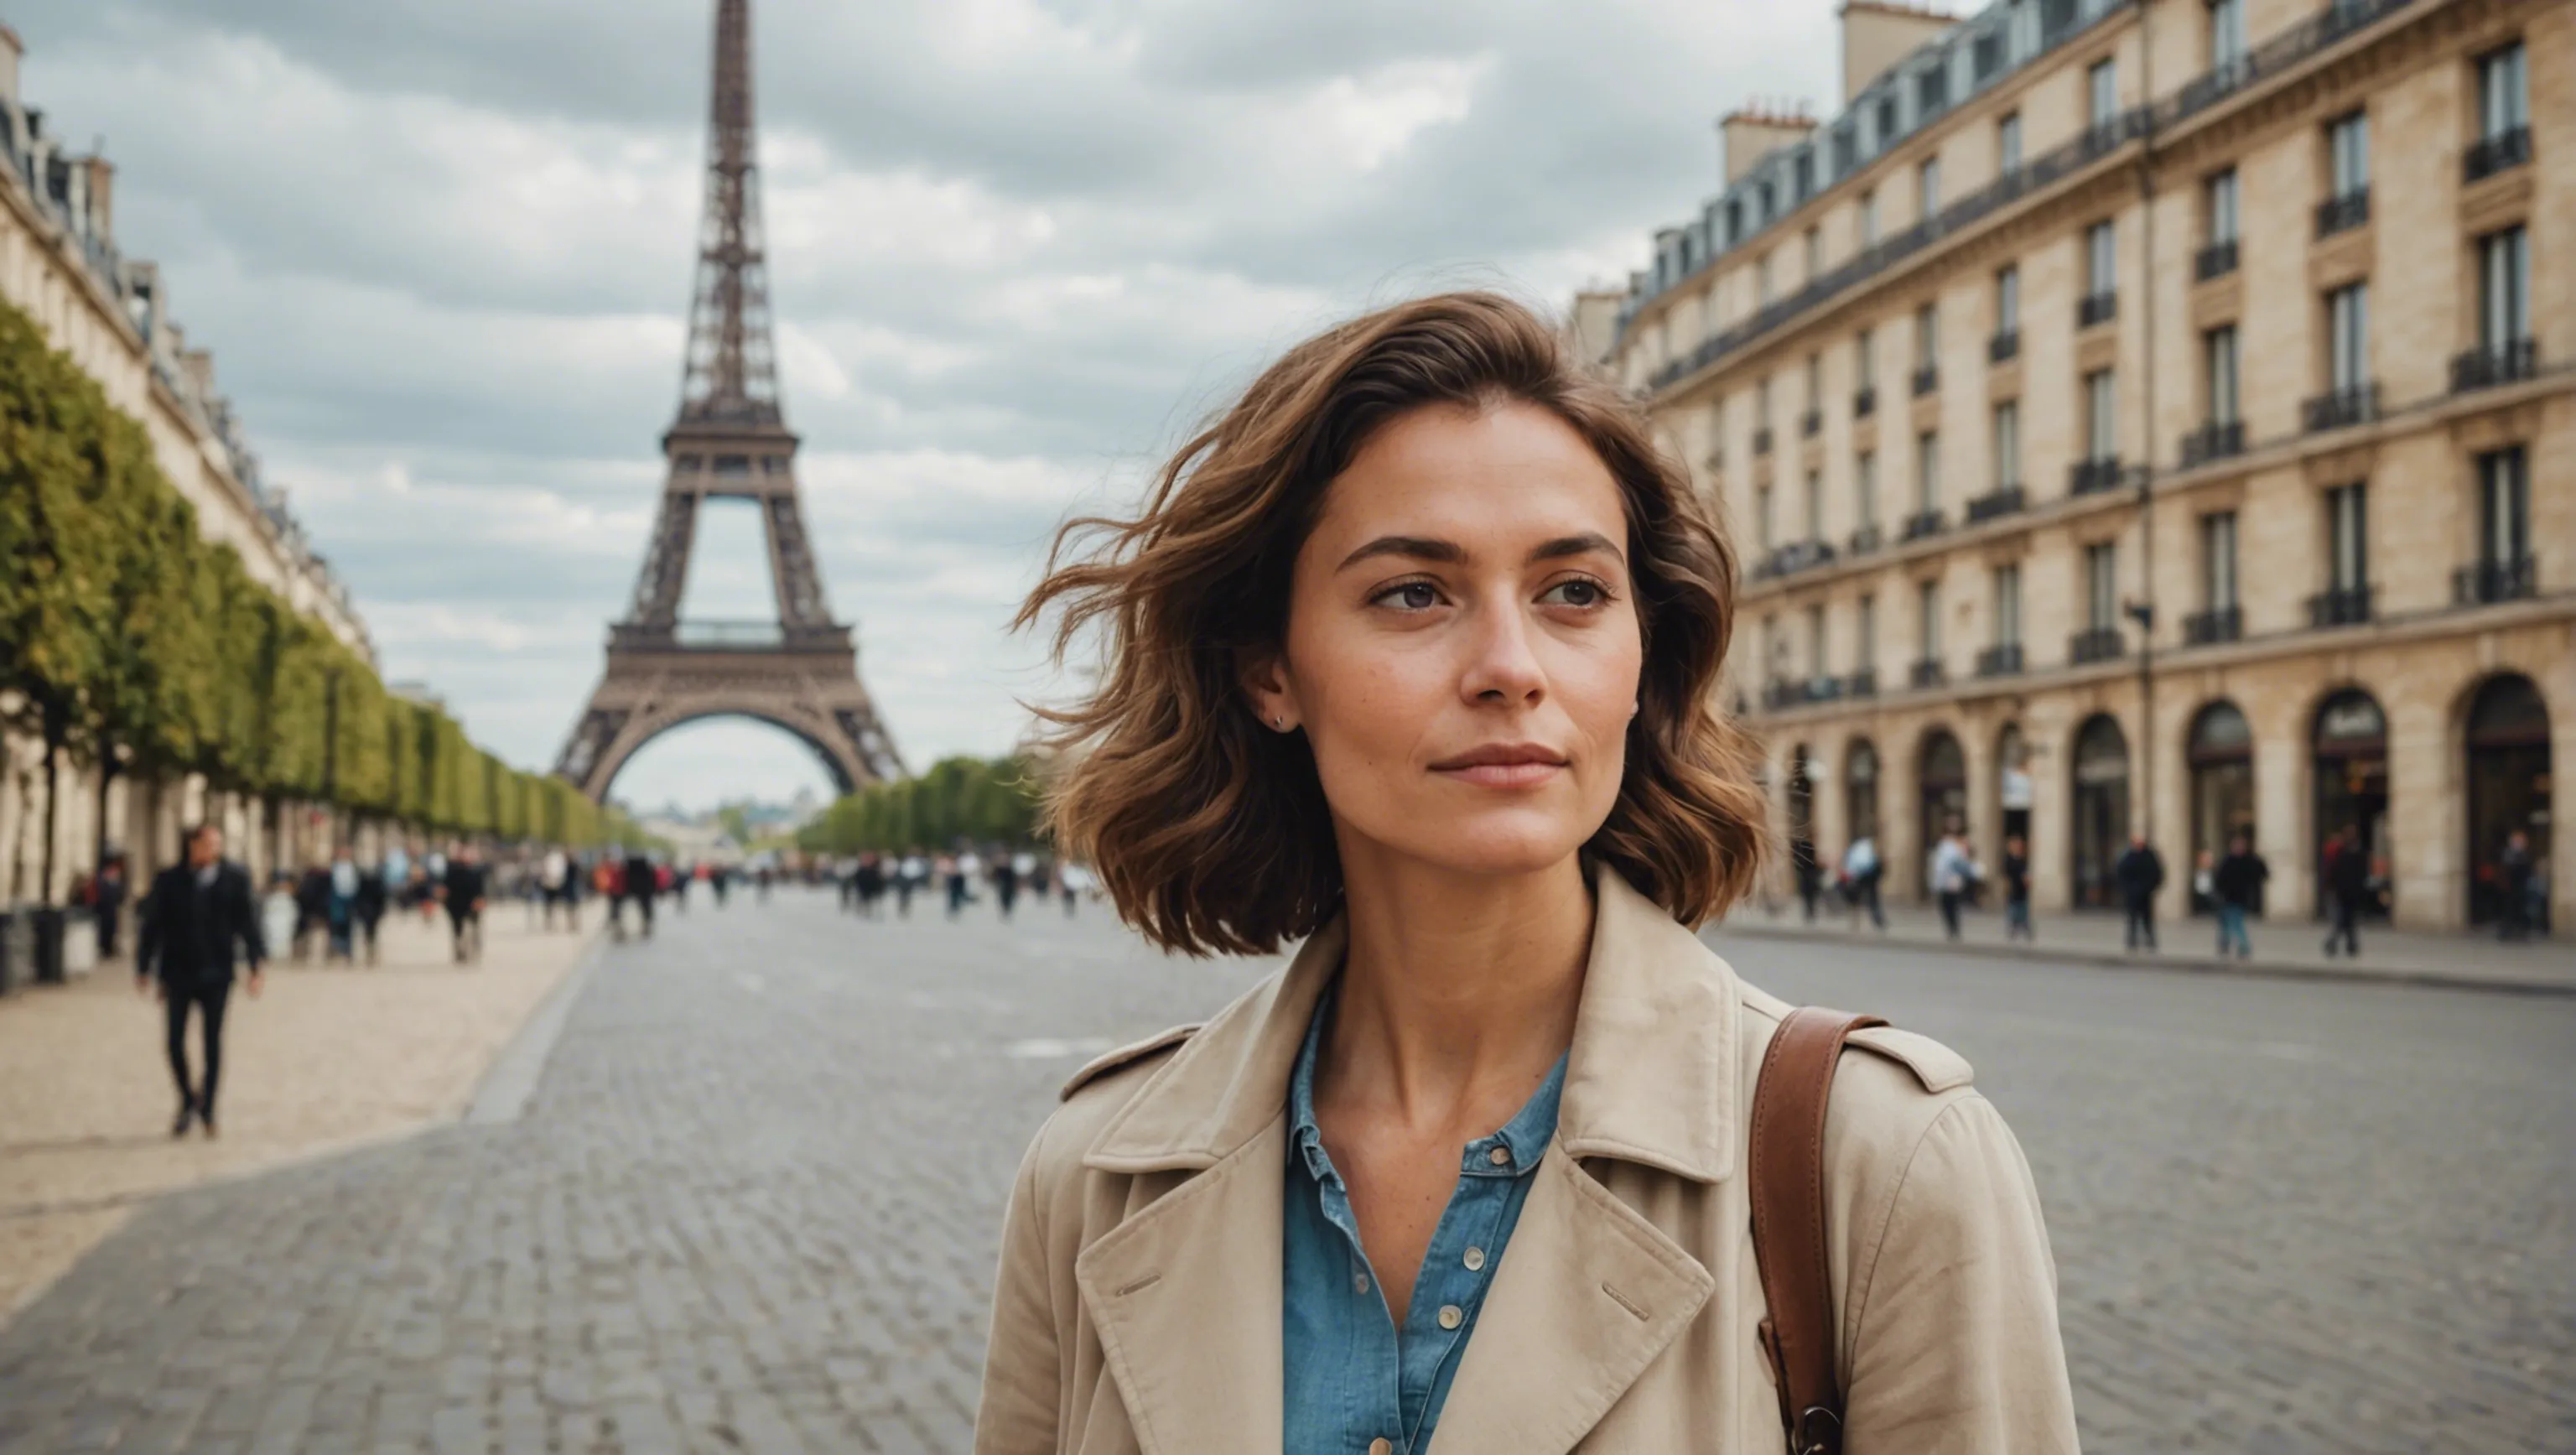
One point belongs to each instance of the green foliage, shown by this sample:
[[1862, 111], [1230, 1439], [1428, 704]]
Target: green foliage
[[986, 801], [130, 638]]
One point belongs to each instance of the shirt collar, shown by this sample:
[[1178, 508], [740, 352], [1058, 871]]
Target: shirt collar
[[1523, 1139]]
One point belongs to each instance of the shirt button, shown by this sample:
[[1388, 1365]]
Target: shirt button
[[1381, 1446], [1451, 1316], [1500, 1156], [1359, 1283], [1475, 1260]]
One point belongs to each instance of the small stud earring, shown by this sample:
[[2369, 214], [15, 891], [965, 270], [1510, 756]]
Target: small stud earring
[[1280, 723]]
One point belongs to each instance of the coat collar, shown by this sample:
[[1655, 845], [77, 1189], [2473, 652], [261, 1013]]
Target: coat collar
[[1651, 1078]]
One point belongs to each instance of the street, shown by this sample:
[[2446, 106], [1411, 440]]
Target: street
[[753, 1204]]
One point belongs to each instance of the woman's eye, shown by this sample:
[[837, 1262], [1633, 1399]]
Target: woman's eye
[[1412, 596], [1574, 593]]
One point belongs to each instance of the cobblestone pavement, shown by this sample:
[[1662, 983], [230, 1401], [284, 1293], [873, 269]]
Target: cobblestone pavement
[[753, 1207]]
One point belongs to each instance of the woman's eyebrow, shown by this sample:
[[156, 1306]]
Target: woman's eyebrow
[[1420, 548], [1583, 544]]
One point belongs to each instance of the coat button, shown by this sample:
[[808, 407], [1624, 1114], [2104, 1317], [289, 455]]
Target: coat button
[[1451, 1316], [1475, 1260], [1500, 1156], [1381, 1446]]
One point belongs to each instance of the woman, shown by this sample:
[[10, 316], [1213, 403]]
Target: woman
[[1413, 654]]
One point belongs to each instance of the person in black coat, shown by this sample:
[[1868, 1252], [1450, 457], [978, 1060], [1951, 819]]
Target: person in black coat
[[2347, 885], [197, 914], [464, 892], [2237, 885], [2139, 874]]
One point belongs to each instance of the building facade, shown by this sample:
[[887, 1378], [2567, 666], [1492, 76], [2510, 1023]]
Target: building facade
[[59, 262], [2157, 417]]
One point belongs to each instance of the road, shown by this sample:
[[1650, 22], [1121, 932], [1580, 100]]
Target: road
[[753, 1202]]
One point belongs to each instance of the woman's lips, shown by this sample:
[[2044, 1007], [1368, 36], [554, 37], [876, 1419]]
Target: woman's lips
[[1503, 765]]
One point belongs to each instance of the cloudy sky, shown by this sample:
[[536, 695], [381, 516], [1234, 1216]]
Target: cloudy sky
[[442, 248]]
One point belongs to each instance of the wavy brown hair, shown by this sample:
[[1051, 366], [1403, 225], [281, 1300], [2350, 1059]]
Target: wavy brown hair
[[1209, 830]]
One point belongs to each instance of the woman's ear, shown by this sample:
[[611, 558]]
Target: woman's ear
[[1266, 691]]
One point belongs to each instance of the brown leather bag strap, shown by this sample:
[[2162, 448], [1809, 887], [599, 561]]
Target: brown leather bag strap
[[1799, 1332]]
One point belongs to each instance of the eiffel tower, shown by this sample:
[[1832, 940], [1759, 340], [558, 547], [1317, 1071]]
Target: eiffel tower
[[730, 442]]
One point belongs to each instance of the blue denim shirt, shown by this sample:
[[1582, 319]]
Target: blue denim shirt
[[1351, 1377]]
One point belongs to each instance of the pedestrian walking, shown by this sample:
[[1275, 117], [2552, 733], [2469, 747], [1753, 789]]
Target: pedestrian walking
[[110, 892], [367, 911], [468, 886], [760, 878], [960, 872], [1811, 876], [312, 912], [1953, 874], [197, 918], [553, 870], [2140, 873], [1457, 1178], [2236, 886], [1861, 865], [2347, 876], [343, 910], [2513, 875], [640, 882], [2017, 925], [1006, 882]]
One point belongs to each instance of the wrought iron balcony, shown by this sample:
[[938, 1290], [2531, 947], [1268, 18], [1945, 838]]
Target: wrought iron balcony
[[2342, 408], [1864, 402], [1865, 540], [2214, 261], [1798, 556], [2001, 660], [1863, 683], [2505, 363], [2483, 583], [2498, 153], [1926, 379], [2342, 606], [2213, 441], [2218, 624], [1824, 687], [2344, 213], [1811, 424], [1924, 523], [2098, 644], [2001, 501], [2095, 308], [1762, 440], [1780, 694], [1927, 673], [2004, 346], [2092, 477]]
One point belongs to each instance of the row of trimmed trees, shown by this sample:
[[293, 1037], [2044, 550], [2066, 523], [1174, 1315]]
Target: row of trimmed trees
[[977, 800], [131, 644]]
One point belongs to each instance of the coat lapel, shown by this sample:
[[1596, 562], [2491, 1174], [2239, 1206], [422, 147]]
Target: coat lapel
[[1185, 1295], [1589, 1294]]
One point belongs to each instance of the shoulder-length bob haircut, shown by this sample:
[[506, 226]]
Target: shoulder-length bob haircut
[[1209, 831]]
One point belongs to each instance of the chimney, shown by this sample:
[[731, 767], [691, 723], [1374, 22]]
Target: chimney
[[102, 193], [197, 366], [1750, 133], [1879, 33], [12, 50]]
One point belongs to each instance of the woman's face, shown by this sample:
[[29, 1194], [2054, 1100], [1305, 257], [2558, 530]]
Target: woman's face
[[1463, 643]]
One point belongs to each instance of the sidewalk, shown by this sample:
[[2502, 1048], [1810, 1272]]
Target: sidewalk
[[2283, 948], [323, 1060]]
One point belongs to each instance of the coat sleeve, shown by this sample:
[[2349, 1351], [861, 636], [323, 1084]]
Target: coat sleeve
[[1023, 1374], [1956, 1345]]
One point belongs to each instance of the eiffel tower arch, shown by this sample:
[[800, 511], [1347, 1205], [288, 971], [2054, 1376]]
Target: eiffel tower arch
[[730, 442]]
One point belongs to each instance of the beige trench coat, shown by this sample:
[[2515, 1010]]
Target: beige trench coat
[[1138, 1306]]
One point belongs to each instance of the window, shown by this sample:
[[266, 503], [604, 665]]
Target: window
[[1815, 246], [2348, 337], [1762, 280], [2218, 207], [1815, 641], [2348, 537], [2504, 288], [2008, 143], [2007, 614], [1927, 619], [1869, 219], [2101, 419], [1927, 185], [2008, 298], [2101, 259], [1762, 402], [1865, 359], [1815, 380], [2348, 154], [1815, 505], [1927, 472], [2102, 92], [2102, 586], [2218, 355], [2218, 560], [2008, 445], [1762, 519], [2226, 33], [1865, 638], [2504, 507], [2504, 104], [1927, 337], [1865, 489]]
